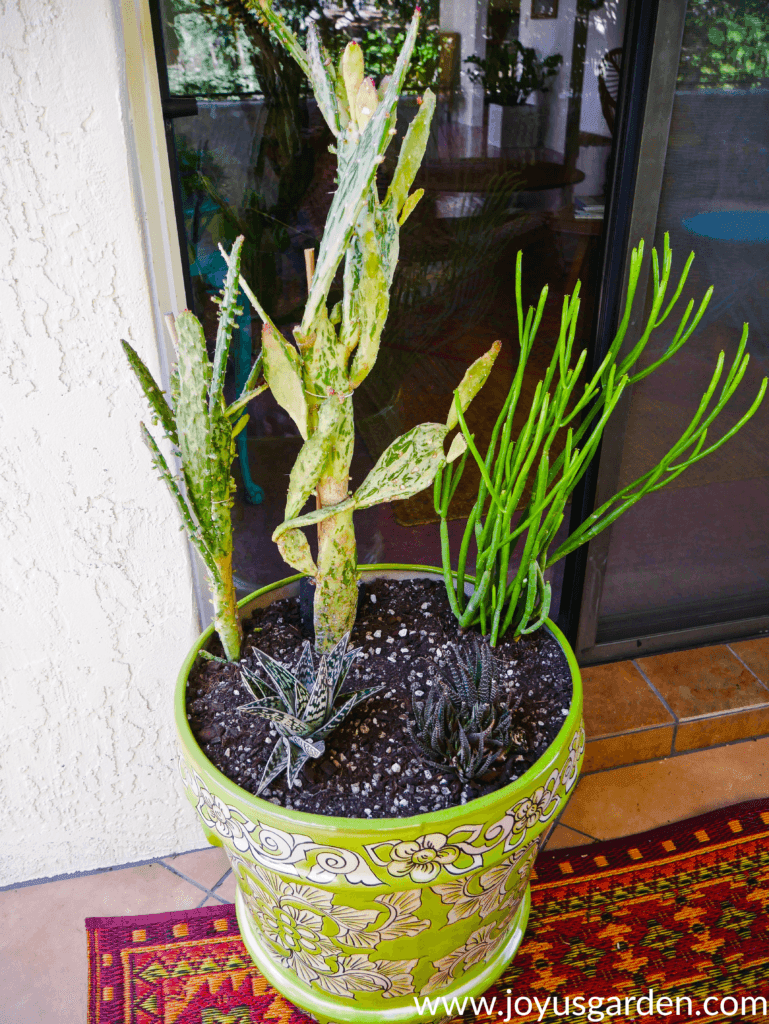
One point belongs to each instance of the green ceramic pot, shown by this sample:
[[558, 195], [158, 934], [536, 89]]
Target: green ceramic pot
[[356, 921]]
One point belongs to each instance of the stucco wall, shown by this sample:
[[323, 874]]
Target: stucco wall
[[96, 599]]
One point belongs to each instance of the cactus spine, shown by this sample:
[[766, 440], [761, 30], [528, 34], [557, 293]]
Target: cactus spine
[[315, 381], [202, 430]]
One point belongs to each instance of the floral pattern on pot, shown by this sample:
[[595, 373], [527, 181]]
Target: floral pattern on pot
[[344, 915], [462, 850], [480, 945], [499, 886], [270, 846], [422, 858], [291, 918]]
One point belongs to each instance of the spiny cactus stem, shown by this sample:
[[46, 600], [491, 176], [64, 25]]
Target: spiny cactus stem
[[226, 621], [257, 307]]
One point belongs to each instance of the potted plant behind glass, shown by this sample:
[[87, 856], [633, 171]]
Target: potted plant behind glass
[[509, 75], [420, 890]]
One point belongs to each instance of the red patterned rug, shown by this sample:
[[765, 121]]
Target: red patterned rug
[[681, 912]]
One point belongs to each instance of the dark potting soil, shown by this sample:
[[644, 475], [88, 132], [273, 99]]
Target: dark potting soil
[[371, 768]]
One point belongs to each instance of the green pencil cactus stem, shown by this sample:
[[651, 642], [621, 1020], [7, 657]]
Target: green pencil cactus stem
[[314, 380], [202, 429], [501, 516]]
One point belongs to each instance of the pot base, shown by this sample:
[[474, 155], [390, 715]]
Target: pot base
[[327, 1009]]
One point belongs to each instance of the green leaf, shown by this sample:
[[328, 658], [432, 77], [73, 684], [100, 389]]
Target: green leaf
[[281, 678], [323, 79], [311, 747], [321, 697], [359, 158], [457, 447], [152, 393], [284, 722], [192, 420], [277, 762], [339, 715], [283, 373], [226, 324], [472, 382], [295, 550], [410, 157], [255, 706], [309, 463], [406, 467]]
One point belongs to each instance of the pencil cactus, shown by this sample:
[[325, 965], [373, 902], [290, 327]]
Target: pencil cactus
[[314, 380], [202, 429]]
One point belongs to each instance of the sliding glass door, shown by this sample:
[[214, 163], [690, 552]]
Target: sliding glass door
[[690, 564], [514, 163]]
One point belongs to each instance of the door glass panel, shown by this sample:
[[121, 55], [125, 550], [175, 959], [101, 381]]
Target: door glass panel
[[696, 552], [522, 168]]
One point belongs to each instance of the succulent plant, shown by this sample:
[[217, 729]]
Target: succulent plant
[[465, 724], [202, 429], [530, 461], [335, 349], [305, 705]]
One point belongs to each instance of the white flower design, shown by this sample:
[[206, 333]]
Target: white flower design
[[527, 812], [422, 858]]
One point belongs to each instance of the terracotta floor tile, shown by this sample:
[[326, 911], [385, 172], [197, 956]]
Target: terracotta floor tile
[[563, 837], [703, 681], [708, 732], [618, 698], [755, 654], [43, 944], [623, 801], [612, 751], [206, 867]]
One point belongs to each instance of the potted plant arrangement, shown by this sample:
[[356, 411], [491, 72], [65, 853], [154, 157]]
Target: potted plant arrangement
[[382, 805], [510, 74]]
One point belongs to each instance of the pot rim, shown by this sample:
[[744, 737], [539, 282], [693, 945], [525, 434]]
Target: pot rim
[[333, 823]]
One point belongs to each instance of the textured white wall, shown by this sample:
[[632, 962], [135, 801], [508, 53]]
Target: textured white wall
[[96, 600]]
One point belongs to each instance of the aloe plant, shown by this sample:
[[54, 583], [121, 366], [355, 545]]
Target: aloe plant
[[315, 379], [305, 705], [519, 597], [201, 428]]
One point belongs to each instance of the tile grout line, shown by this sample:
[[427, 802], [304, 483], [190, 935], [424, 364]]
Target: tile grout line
[[579, 830], [628, 732], [757, 678], [221, 881], [180, 874], [656, 692], [710, 716], [97, 871], [675, 754]]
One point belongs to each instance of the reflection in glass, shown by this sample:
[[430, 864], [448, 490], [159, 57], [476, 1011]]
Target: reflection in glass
[[520, 169], [696, 553]]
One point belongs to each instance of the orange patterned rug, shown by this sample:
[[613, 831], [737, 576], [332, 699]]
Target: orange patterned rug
[[671, 924]]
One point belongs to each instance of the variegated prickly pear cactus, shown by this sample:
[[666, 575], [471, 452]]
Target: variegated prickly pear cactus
[[315, 379], [202, 430]]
